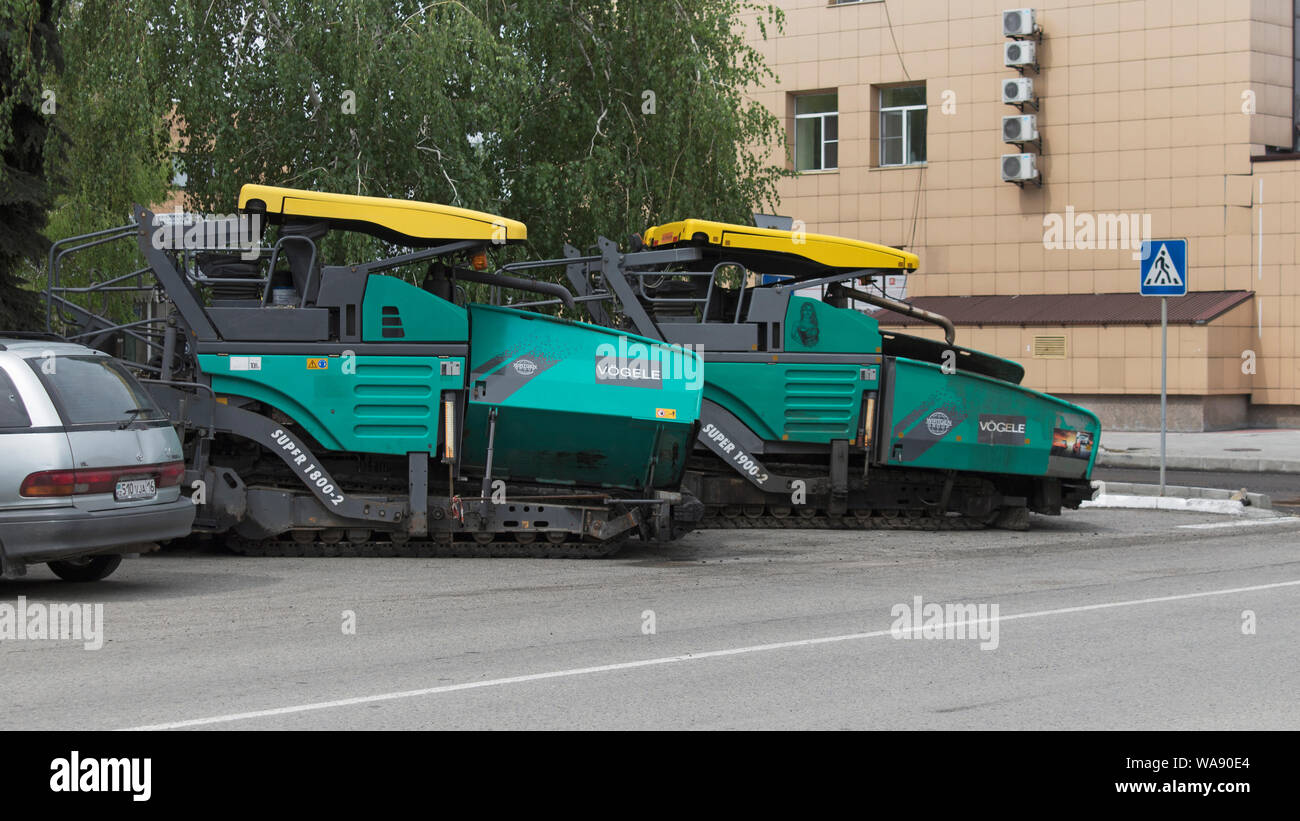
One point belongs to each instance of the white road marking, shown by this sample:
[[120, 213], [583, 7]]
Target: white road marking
[[654, 662], [1242, 523]]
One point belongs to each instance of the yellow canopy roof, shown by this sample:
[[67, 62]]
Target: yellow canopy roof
[[419, 222], [768, 250]]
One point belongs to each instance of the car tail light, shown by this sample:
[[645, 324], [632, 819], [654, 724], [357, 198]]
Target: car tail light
[[97, 480], [50, 483], [169, 475]]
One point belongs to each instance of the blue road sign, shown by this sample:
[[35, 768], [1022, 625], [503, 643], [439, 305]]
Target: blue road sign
[[1164, 268]]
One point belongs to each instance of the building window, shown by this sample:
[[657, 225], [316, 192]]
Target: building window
[[902, 125], [816, 132], [180, 179]]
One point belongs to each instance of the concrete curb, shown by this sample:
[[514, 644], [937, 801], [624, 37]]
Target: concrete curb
[[1233, 464], [1220, 506], [1259, 500], [1192, 499]]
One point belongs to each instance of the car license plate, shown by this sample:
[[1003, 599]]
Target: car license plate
[[129, 490]]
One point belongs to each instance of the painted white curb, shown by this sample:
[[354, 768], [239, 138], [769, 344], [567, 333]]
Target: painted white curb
[[1227, 507]]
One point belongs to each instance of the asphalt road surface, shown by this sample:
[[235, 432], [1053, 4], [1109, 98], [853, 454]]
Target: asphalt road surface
[[1105, 619]]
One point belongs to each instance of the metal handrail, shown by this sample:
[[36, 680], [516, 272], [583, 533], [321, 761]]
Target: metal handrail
[[545, 263], [539, 303], [311, 268], [641, 277], [51, 271], [64, 289], [706, 302], [740, 297], [109, 326], [122, 327], [194, 271], [205, 280]]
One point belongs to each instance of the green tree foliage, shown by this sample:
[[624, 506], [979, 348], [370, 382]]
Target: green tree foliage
[[113, 108], [114, 104], [636, 114], [362, 97], [580, 118], [29, 53]]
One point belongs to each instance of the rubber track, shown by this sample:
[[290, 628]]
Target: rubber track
[[823, 521], [427, 549]]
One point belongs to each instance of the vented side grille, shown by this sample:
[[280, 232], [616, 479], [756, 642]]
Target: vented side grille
[[821, 401], [391, 320], [1049, 347]]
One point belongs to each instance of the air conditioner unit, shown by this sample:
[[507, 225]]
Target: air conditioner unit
[[1020, 129], [1019, 23], [1018, 54], [1020, 168], [1019, 91]]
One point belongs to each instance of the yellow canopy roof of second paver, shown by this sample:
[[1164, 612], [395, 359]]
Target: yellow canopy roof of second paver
[[768, 250], [419, 221]]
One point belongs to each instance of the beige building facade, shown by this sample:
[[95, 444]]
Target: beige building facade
[[1173, 117]]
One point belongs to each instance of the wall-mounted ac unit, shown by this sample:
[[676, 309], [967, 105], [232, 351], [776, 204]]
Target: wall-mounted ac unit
[[1020, 169], [1018, 91], [1020, 54], [1020, 129], [1019, 23]]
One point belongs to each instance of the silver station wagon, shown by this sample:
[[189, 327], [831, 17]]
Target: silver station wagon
[[90, 469]]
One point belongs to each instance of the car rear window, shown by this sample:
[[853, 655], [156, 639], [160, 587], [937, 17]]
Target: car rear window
[[13, 413], [95, 390]]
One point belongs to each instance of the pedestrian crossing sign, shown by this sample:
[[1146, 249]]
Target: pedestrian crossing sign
[[1164, 267]]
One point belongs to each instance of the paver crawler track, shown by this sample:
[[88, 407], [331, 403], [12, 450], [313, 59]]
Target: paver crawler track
[[502, 546], [717, 518]]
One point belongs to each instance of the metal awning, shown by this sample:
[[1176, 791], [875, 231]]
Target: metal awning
[[1197, 308]]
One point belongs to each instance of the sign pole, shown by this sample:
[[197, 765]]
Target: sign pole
[[1163, 272], [1164, 394]]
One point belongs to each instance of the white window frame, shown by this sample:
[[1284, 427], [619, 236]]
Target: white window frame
[[822, 115], [903, 109], [180, 178]]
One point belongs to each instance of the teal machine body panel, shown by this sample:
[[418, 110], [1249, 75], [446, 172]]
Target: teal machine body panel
[[579, 403], [576, 404]]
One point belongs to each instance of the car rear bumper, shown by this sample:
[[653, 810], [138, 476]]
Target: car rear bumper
[[33, 536]]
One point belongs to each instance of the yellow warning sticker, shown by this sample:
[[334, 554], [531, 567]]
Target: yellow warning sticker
[[318, 364], [665, 413]]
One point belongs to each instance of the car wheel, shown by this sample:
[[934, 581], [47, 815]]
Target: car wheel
[[85, 569]]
